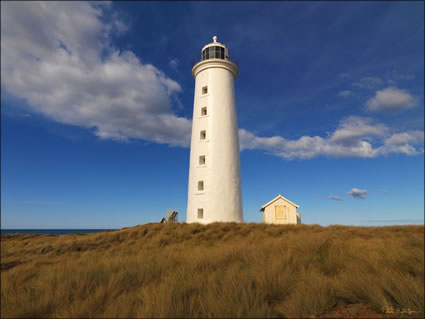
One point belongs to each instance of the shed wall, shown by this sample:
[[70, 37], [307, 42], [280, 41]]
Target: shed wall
[[269, 215]]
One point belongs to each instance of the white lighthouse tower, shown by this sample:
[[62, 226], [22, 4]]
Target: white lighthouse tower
[[214, 193]]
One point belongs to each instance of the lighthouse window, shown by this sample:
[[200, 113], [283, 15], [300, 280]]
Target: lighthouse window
[[205, 90], [203, 135], [204, 111], [200, 185], [221, 53], [214, 52], [202, 160], [200, 213]]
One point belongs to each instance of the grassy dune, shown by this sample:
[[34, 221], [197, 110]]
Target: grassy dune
[[217, 270]]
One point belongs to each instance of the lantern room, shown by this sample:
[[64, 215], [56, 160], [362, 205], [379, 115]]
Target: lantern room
[[215, 50]]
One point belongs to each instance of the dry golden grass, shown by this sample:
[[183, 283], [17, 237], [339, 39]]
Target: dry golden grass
[[217, 270]]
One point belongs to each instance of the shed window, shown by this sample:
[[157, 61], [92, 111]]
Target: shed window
[[202, 160], [200, 185], [200, 213], [203, 135], [281, 212], [205, 89], [204, 111]]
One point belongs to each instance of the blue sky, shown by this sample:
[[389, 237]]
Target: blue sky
[[97, 103]]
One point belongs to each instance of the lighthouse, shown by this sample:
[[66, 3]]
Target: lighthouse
[[214, 191]]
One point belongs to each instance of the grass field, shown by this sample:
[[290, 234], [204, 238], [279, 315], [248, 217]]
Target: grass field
[[216, 270]]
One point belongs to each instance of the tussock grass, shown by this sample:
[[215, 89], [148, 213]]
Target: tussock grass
[[217, 270]]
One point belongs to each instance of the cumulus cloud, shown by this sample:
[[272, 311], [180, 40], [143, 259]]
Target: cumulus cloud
[[369, 82], [335, 197], [355, 128], [354, 137], [403, 143], [391, 99], [346, 93], [58, 57], [406, 137], [358, 193]]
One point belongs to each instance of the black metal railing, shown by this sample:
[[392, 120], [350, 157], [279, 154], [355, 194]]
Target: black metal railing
[[216, 56]]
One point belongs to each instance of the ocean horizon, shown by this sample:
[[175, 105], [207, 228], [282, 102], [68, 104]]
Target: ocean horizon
[[53, 231]]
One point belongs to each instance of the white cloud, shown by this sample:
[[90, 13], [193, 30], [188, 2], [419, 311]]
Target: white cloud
[[354, 137], [58, 57], [358, 193], [335, 197], [346, 93], [403, 143], [174, 63], [118, 23], [369, 82], [391, 99], [354, 128], [414, 137]]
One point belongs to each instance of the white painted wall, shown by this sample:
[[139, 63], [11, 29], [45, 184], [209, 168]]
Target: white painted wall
[[221, 199]]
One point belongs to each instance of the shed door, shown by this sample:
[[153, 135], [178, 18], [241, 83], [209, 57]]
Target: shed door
[[280, 211]]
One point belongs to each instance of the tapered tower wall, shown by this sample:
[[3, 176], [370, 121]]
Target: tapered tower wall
[[220, 199]]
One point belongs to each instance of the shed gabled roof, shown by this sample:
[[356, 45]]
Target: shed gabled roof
[[275, 199]]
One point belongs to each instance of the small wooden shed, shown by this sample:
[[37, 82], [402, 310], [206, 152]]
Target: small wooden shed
[[280, 210]]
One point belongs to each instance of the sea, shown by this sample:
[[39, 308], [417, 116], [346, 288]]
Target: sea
[[52, 231]]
